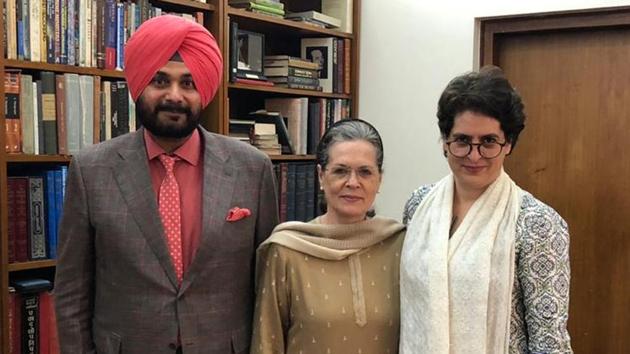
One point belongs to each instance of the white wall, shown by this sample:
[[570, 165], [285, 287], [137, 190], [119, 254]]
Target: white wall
[[410, 49]]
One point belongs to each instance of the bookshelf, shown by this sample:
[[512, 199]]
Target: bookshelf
[[280, 36]]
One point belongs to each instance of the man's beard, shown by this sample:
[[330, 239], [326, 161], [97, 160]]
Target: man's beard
[[149, 120]]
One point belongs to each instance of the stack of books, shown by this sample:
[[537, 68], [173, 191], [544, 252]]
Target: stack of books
[[264, 137], [266, 7], [315, 18], [240, 129], [290, 72]]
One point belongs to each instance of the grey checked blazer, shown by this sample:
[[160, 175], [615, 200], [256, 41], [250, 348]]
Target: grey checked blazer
[[115, 287]]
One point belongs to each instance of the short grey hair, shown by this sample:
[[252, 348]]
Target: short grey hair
[[349, 130]]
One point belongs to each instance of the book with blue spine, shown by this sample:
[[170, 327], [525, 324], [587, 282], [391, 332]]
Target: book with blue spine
[[120, 35], [51, 213]]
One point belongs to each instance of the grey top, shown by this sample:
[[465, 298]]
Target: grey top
[[540, 298]]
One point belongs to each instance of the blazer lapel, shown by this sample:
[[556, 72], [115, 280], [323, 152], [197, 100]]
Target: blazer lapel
[[134, 180], [218, 187]]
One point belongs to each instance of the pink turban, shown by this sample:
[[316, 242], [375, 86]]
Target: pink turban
[[155, 42]]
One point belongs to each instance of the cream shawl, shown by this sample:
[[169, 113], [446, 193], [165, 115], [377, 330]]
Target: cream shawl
[[456, 294], [336, 243]]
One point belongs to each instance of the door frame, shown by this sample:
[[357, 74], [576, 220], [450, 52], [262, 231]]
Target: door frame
[[490, 27]]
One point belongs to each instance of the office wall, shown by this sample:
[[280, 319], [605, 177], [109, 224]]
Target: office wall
[[409, 51]]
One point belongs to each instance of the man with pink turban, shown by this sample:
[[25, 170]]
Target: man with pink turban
[[160, 226]]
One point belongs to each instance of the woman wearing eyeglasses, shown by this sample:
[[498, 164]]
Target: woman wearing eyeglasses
[[485, 265], [331, 285]]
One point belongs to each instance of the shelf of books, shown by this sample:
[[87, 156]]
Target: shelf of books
[[286, 91], [62, 68], [272, 24]]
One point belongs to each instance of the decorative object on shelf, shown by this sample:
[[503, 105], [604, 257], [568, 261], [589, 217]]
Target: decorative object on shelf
[[247, 53]]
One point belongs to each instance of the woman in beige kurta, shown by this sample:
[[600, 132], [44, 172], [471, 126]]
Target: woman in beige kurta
[[331, 285]]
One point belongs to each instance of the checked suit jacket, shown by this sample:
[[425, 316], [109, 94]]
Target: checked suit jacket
[[116, 290]]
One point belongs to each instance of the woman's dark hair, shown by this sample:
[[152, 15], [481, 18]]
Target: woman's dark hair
[[349, 130], [486, 92]]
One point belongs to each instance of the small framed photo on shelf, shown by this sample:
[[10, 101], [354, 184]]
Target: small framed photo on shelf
[[247, 54]]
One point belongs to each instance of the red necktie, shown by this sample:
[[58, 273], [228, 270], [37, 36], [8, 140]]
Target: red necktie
[[170, 212]]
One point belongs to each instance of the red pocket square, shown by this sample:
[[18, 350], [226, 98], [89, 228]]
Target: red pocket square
[[236, 214]]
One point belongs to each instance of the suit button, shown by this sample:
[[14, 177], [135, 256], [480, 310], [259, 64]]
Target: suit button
[[172, 346]]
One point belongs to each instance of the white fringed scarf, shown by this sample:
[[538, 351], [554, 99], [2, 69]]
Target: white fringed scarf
[[456, 294]]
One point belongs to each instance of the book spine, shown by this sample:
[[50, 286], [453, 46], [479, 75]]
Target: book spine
[[26, 23], [303, 81], [57, 31], [30, 325], [284, 169], [21, 218], [59, 185], [335, 64], [50, 32], [70, 32], [340, 64], [300, 192], [88, 32], [115, 125], [19, 28], [311, 191], [11, 224], [26, 114], [10, 22], [291, 173], [62, 30], [86, 96], [37, 215], [120, 36], [110, 34], [346, 66], [45, 309], [51, 211], [49, 114], [15, 343], [43, 21], [13, 126], [73, 113], [100, 34], [96, 105], [60, 98], [123, 107]]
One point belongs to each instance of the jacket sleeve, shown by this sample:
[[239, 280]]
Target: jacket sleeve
[[267, 217], [271, 314], [74, 279], [544, 274]]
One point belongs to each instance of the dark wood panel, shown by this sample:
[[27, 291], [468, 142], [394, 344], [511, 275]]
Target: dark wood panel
[[574, 154]]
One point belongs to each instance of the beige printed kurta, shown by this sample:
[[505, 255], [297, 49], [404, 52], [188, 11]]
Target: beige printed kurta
[[305, 304]]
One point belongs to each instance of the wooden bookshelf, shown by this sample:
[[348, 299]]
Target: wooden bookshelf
[[189, 4], [217, 14], [278, 158], [24, 158], [46, 263], [287, 91], [60, 68], [272, 24]]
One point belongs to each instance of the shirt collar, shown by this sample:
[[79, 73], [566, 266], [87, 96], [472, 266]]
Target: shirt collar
[[190, 151]]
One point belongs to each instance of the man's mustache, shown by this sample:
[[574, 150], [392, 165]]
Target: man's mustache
[[173, 108]]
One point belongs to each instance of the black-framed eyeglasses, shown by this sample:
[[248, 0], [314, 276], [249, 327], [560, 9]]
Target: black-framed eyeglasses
[[488, 150]]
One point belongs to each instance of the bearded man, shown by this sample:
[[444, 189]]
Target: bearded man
[[160, 226]]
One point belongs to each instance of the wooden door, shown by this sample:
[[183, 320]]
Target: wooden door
[[574, 154]]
